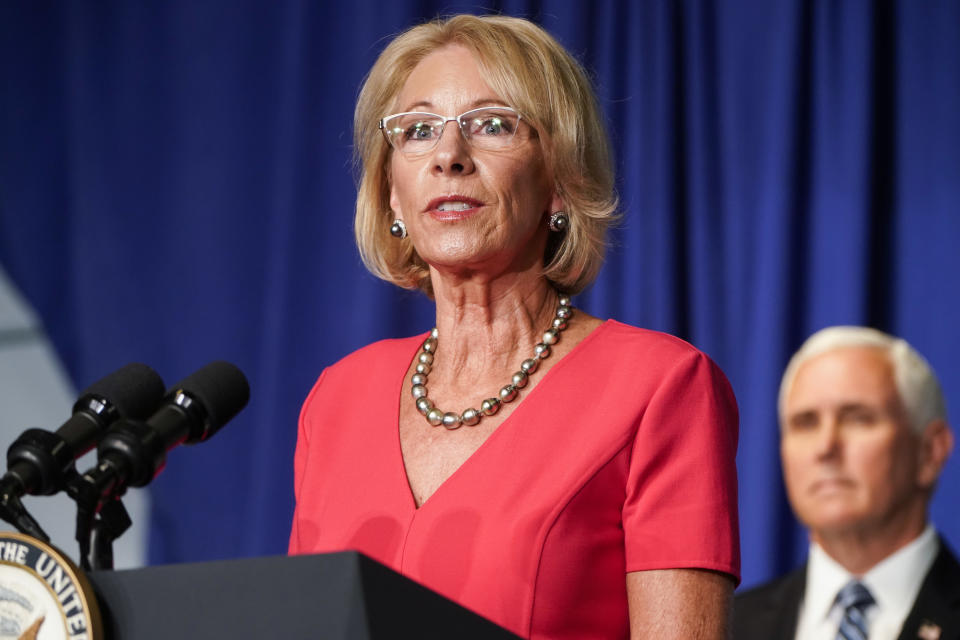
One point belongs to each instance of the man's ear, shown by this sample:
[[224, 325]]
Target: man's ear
[[936, 443]]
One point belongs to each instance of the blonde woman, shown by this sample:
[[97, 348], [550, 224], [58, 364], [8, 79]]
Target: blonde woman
[[560, 475]]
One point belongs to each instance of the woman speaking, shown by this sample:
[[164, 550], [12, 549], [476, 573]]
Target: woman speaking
[[563, 476]]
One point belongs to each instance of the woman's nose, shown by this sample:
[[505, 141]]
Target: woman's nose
[[452, 155]]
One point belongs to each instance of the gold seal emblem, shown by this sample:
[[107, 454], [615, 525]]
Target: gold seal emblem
[[43, 595]]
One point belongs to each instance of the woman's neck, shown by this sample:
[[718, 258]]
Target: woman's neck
[[486, 328]]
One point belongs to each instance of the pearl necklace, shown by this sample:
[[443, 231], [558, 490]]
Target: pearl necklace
[[509, 393]]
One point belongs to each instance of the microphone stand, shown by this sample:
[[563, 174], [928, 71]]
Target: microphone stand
[[13, 511], [101, 516]]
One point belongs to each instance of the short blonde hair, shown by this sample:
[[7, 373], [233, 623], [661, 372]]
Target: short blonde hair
[[536, 76], [915, 380]]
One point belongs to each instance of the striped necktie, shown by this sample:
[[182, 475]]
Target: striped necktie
[[854, 599]]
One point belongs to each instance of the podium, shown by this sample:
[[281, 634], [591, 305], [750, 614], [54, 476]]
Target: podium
[[333, 596]]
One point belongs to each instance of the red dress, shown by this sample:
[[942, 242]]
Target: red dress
[[620, 459]]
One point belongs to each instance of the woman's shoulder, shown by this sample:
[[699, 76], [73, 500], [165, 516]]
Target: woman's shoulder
[[378, 354], [627, 341], [644, 356], [663, 364], [375, 364]]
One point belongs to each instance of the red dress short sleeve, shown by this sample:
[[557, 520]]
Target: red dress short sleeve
[[620, 459]]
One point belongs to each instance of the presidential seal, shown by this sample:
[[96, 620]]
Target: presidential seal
[[43, 595]]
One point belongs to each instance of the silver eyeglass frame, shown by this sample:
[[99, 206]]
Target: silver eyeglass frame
[[443, 127]]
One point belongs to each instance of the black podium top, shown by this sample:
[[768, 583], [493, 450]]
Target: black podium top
[[338, 595]]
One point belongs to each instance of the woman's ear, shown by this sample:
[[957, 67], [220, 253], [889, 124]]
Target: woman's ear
[[395, 204], [556, 203]]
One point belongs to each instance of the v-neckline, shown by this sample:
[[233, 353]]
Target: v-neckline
[[486, 444]]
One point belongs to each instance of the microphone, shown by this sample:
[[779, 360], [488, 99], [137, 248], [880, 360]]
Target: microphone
[[133, 452], [39, 462]]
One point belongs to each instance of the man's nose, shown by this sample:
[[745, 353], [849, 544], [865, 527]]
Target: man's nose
[[828, 439]]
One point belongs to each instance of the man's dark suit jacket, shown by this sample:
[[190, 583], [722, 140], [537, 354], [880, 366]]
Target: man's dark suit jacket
[[770, 612]]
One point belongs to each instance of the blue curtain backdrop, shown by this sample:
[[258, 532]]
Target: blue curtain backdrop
[[176, 187]]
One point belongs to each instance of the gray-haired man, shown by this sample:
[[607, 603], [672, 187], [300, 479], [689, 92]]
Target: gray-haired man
[[864, 437]]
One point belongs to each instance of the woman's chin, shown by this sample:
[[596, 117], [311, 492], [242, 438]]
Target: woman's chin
[[464, 264], [454, 248]]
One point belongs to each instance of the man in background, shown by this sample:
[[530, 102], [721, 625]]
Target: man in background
[[863, 440]]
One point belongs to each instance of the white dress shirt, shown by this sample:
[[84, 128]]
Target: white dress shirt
[[894, 584]]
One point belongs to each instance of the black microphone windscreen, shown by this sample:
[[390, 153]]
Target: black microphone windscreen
[[135, 390], [221, 388]]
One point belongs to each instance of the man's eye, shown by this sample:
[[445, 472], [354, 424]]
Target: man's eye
[[861, 417], [803, 422]]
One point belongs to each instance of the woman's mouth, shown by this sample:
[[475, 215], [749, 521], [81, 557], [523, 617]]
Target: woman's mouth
[[452, 208]]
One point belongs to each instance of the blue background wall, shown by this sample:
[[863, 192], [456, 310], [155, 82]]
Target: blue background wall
[[176, 186]]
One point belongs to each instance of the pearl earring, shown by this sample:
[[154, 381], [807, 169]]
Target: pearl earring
[[559, 221], [398, 229]]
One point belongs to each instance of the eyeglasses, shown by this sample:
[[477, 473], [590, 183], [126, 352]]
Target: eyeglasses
[[416, 132]]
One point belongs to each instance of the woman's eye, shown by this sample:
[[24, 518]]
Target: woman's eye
[[418, 132], [490, 126], [495, 127]]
